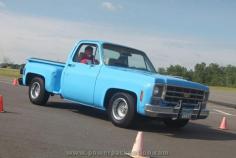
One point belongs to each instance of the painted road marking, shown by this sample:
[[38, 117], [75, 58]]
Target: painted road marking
[[214, 112], [221, 107], [222, 112], [225, 109]]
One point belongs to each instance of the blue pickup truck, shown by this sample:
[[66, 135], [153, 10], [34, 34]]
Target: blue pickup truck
[[118, 79]]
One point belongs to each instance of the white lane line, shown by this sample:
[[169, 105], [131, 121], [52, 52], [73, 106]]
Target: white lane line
[[220, 107], [222, 112], [214, 112]]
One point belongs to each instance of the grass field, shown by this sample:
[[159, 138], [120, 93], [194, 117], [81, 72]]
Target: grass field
[[14, 73]]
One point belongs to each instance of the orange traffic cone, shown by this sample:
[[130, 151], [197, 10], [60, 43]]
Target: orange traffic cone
[[1, 104], [223, 124], [15, 82], [137, 150]]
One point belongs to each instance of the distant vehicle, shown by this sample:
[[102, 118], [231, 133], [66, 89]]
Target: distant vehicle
[[118, 79]]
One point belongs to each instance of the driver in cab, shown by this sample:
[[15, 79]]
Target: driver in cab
[[88, 56]]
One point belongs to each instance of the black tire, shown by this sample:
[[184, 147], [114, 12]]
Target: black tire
[[127, 120], [42, 96], [178, 123]]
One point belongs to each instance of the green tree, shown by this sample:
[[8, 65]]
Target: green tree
[[199, 74], [162, 71], [212, 74]]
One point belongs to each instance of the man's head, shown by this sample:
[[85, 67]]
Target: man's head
[[89, 51]]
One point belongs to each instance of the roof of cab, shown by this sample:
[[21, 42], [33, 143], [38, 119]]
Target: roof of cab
[[102, 42], [93, 41]]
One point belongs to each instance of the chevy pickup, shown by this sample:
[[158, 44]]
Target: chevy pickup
[[118, 79]]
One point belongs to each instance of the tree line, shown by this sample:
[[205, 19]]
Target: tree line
[[10, 66], [7, 63], [212, 74]]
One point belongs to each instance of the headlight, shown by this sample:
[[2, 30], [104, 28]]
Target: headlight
[[157, 90]]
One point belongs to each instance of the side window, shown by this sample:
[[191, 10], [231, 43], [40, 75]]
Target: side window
[[87, 54], [110, 55], [136, 61]]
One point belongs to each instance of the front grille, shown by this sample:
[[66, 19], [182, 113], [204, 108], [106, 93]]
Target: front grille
[[186, 95]]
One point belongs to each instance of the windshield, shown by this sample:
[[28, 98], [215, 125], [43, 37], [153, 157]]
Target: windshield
[[115, 55]]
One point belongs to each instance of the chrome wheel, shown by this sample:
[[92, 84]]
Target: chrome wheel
[[35, 90], [119, 108]]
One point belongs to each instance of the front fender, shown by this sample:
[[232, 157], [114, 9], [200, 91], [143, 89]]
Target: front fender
[[123, 80]]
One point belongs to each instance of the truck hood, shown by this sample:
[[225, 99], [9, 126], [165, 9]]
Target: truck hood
[[176, 81], [169, 80]]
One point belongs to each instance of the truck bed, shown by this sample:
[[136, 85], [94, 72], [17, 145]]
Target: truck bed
[[50, 62], [50, 70]]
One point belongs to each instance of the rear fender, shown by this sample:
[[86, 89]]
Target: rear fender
[[50, 74]]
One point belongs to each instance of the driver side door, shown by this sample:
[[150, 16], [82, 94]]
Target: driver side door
[[79, 78]]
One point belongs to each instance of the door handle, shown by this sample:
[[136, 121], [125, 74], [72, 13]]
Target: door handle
[[71, 65]]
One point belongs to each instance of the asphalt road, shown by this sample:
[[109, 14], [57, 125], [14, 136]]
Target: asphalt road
[[57, 129], [228, 98]]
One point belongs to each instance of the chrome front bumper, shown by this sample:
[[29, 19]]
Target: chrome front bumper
[[174, 112]]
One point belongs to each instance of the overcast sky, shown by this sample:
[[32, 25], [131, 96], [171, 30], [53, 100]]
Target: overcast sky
[[182, 32]]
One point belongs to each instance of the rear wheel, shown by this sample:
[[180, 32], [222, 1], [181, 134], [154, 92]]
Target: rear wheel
[[177, 123], [37, 93], [122, 109]]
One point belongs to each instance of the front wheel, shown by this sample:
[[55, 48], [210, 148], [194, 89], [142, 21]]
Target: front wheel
[[122, 109], [177, 123], [37, 92]]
